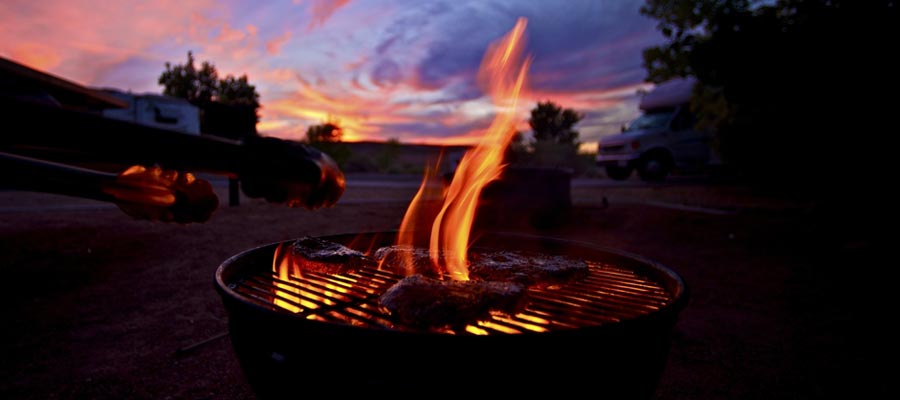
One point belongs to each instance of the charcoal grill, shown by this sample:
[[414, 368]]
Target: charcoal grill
[[608, 333]]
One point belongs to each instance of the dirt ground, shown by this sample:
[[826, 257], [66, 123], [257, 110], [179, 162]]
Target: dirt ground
[[785, 303]]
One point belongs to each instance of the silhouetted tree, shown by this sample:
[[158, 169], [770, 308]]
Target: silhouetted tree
[[324, 133], [228, 107], [327, 138], [800, 97], [554, 140], [785, 83], [237, 91], [551, 123], [187, 82]]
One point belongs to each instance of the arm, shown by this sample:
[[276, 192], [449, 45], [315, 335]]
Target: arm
[[278, 170], [143, 193]]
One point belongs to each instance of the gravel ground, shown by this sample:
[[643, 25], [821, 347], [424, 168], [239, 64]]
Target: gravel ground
[[786, 303]]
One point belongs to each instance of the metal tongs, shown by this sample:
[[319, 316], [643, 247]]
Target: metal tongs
[[149, 172]]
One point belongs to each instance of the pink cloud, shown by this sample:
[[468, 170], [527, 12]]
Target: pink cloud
[[228, 34], [78, 41], [279, 75], [221, 41], [73, 38], [322, 10], [356, 64], [273, 46], [36, 55]]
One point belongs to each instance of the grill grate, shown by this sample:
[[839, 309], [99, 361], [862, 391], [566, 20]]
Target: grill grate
[[608, 294]]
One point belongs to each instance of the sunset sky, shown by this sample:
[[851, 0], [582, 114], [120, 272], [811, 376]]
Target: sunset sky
[[383, 69]]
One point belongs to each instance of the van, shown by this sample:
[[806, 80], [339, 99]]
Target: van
[[661, 140], [156, 110]]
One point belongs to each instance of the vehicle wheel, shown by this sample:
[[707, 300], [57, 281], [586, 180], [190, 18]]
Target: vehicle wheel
[[654, 167], [618, 173]]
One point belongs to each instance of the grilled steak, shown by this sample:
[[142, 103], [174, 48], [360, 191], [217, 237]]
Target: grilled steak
[[424, 302], [502, 266], [527, 269], [318, 255], [406, 260]]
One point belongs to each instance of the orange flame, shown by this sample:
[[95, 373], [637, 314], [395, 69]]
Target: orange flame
[[282, 267], [418, 212], [502, 73], [293, 293]]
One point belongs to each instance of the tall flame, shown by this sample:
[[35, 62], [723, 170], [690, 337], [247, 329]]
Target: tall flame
[[502, 74], [418, 212]]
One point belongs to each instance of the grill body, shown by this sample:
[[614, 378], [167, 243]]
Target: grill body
[[617, 348]]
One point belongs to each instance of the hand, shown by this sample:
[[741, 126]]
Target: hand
[[292, 173], [162, 195]]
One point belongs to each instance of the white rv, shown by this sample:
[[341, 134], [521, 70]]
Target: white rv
[[660, 140], [157, 110]]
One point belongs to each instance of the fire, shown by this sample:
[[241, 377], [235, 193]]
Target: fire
[[296, 296], [502, 73], [282, 267], [417, 212]]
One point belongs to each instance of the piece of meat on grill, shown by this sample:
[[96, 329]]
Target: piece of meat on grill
[[319, 255], [423, 302], [406, 260], [530, 269]]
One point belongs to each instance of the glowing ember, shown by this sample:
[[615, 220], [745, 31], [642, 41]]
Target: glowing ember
[[502, 73]]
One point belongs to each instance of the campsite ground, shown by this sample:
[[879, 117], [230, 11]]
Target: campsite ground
[[784, 303]]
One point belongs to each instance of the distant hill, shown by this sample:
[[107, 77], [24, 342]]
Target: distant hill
[[393, 158], [389, 157]]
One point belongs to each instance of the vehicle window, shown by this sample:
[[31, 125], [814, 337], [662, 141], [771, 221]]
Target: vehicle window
[[653, 120], [165, 116], [684, 120]]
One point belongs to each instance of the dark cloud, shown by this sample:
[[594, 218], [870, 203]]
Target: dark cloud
[[135, 72], [576, 45], [609, 66], [386, 73], [433, 129], [386, 44], [585, 46], [458, 51]]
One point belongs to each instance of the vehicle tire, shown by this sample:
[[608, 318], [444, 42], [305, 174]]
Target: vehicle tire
[[654, 167], [618, 173]]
